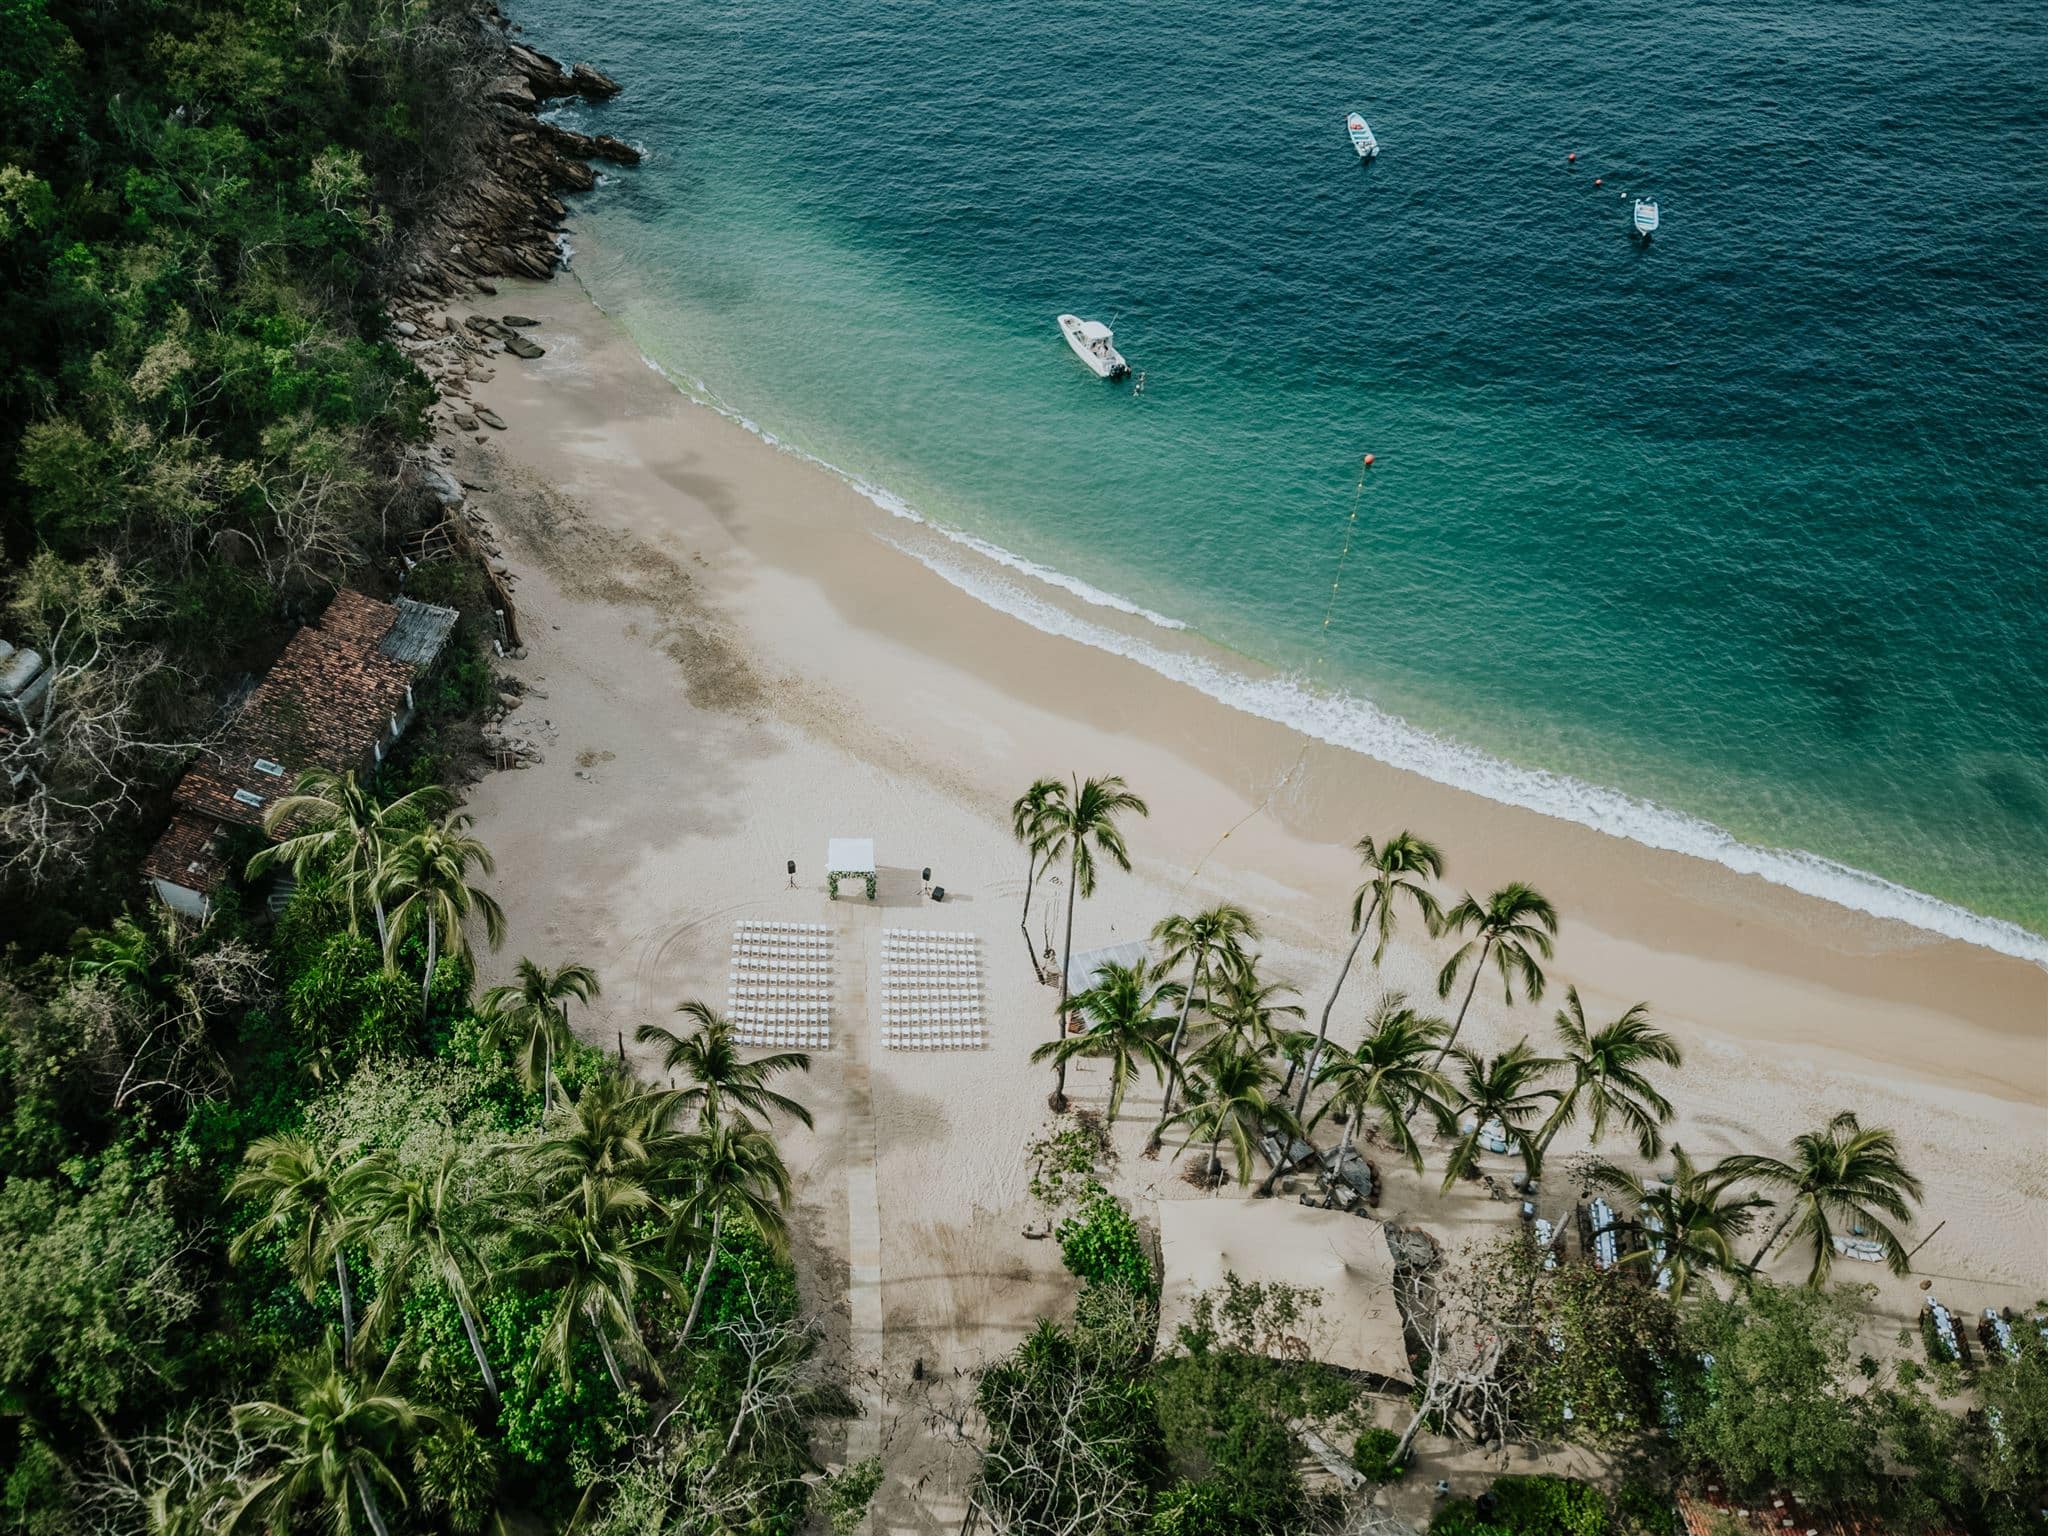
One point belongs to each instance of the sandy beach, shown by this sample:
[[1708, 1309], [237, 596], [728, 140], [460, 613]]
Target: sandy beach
[[733, 655]]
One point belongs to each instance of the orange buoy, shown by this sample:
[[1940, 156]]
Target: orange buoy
[[1574, 159], [1368, 461], [1597, 181]]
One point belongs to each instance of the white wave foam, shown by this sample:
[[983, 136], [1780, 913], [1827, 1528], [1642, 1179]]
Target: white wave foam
[[1344, 720], [1348, 721]]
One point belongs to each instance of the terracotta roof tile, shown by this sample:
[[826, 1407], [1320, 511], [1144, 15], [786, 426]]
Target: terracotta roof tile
[[190, 853]]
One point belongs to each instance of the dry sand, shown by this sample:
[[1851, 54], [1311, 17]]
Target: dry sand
[[733, 660]]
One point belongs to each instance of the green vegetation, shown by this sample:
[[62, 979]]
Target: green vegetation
[[1555, 1506]]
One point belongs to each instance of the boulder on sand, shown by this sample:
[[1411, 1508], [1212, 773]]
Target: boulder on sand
[[519, 346], [490, 418]]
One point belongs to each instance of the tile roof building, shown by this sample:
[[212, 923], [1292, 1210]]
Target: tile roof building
[[338, 698], [1710, 1510]]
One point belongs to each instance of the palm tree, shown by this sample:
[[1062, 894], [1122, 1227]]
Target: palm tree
[[1080, 827], [605, 1142], [1231, 1097], [311, 1199], [428, 873], [1225, 929], [727, 1167], [592, 1258], [1386, 1074], [1030, 825], [1514, 926], [423, 1221], [1842, 1173], [1398, 866], [1124, 1011], [531, 1019], [1607, 1075], [337, 1441], [1503, 1091], [1246, 1013], [339, 821], [1690, 1217], [718, 1075]]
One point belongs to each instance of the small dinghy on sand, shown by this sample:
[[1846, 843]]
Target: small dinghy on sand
[[1644, 222], [1361, 136]]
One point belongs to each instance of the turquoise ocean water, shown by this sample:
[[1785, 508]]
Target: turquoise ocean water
[[1737, 543]]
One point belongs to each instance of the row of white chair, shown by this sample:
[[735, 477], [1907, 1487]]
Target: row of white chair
[[801, 1039], [923, 1037], [753, 925]]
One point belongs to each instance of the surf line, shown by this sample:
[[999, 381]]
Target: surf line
[[1322, 655]]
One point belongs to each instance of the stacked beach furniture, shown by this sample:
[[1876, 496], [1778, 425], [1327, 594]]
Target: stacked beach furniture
[[781, 985], [931, 990]]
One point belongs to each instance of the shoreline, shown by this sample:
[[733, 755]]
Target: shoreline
[[1073, 608], [765, 581]]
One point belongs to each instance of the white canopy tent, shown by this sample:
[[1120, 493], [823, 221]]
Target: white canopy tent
[[1358, 1326], [1082, 969], [849, 858]]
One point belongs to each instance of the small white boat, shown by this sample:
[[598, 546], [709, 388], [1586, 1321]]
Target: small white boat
[[1645, 219], [1361, 136], [1095, 345]]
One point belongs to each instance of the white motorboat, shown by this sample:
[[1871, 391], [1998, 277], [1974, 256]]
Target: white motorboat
[[1645, 222], [1361, 136], [1095, 345]]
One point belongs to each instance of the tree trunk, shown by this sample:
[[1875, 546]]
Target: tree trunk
[[1407, 1443], [368, 1495], [1484, 950], [1323, 1026], [1343, 1151], [1784, 1221], [704, 1279], [476, 1347], [1180, 1026], [1215, 1162], [1024, 919], [611, 1360], [547, 1069], [383, 923], [348, 1308], [433, 953], [1059, 1092]]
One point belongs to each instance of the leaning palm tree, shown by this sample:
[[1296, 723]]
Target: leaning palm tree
[[1397, 869], [310, 1198], [427, 877], [596, 1260], [709, 1057], [424, 1222], [1231, 1098], [1386, 1075], [1690, 1221], [1079, 827], [1030, 824], [1840, 1174], [1513, 928], [530, 1019], [1608, 1078], [1225, 929], [1504, 1091], [334, 818], [1125, 1011], [337, 1443], [725, 1169]]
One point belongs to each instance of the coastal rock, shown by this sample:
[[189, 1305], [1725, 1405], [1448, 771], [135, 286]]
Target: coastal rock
[[519, 320], [406, 328], [592, 84], [519, 346], [490, 418], [464, 422]]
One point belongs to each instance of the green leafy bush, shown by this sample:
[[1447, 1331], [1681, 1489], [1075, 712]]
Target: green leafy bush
[[1373, 1455], [1101, 1242], [844, 1497]]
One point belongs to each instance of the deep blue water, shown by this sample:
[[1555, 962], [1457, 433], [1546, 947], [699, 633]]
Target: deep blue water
[[1747, 528]]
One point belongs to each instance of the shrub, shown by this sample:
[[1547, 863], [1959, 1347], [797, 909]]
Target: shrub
[[1191, 1509], [1101, 1242], [1373, 1455], [1529, 1506], [844, 1497]]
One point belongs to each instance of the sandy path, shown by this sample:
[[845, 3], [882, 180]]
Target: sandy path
[[736, 665]]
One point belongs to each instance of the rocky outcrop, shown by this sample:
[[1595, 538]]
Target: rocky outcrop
[[506, 220]]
